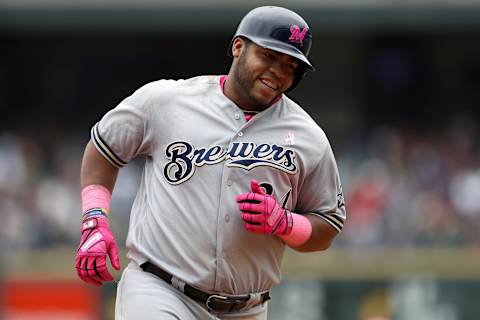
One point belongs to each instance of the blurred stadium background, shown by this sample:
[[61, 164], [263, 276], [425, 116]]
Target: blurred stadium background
[[397, 91]]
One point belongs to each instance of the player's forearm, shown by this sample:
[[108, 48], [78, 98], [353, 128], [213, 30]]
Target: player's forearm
[[96, 169], [97, 179], [321, 238]]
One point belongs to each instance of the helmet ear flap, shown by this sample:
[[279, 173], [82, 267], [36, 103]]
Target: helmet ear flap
[[299, 74]]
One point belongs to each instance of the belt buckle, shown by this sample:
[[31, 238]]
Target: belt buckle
[[214, 296]]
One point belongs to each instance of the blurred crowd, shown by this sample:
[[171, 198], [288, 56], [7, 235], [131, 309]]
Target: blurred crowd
[[40, 190], [402, 187], [407, 187]]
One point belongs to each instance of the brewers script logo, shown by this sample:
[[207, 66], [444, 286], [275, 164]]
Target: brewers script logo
[[184, 158]]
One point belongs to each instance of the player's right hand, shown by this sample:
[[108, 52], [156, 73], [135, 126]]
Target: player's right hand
[[261, 213], [97, 241]]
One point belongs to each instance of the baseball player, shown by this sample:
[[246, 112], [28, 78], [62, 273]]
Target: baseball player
[[234, 172]]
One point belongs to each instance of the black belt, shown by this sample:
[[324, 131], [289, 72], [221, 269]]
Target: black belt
[[213, 302]]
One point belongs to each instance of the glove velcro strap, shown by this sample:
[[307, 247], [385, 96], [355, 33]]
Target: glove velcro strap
[[289, 222], [93, 222], [285, 220], [89, 224]]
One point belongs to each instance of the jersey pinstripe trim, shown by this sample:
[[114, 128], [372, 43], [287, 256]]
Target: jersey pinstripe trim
[[105, 149], [334, 220]]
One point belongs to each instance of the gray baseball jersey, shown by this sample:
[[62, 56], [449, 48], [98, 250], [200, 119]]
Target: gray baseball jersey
[[200, 154]]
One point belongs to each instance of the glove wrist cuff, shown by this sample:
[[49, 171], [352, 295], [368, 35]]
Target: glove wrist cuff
[[95, 212]]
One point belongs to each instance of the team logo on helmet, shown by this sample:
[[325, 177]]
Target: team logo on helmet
[[296, 35]]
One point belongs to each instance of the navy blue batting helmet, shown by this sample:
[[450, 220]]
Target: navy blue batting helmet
[[281, 30]]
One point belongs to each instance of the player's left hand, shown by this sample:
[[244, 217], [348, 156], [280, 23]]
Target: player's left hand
[[262, 213]]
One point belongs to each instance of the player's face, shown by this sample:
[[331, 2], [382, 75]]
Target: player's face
[[263, 74]]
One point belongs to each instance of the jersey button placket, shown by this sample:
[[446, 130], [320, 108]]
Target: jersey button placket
[[223, 219]]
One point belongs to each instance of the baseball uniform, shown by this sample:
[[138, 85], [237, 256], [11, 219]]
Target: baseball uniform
[[200, 153]]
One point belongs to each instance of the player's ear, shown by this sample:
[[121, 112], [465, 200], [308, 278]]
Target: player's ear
[[238, 46]]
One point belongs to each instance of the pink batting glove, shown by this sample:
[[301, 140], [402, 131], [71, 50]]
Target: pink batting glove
[[97, 241], [262, 213]]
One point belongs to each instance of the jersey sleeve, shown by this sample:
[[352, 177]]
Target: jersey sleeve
[[124, 132], [321, 192]]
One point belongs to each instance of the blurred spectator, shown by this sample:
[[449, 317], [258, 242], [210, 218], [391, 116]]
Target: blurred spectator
[[14, 176], [368, 193], [57, 196], [465, 193]]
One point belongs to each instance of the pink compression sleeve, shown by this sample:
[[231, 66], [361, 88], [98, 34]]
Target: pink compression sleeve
[[95, 196], [301, 231]]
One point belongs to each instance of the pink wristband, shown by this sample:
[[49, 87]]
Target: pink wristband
[[95, 196], [301, 231]]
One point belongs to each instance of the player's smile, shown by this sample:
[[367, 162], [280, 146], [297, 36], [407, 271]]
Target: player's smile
[[269, 84], [272, 82]]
